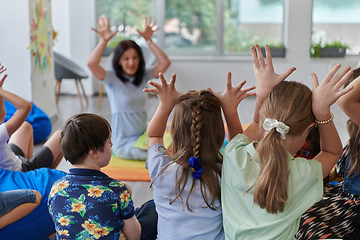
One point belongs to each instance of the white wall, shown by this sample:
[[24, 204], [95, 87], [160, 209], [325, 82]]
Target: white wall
[[73, 21], [15, 39]]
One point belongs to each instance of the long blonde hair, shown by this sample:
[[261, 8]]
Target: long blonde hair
[[198, 131], [290, 103]]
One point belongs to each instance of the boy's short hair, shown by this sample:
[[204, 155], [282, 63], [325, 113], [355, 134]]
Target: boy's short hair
[[82, 133]]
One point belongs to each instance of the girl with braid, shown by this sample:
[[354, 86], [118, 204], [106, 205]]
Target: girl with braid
[[265, 190], [186, 183]]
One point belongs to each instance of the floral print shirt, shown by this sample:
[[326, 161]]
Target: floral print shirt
[[87, 204]]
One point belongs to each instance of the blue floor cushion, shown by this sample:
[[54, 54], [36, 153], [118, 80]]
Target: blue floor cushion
[[37, 225], [37, 118]]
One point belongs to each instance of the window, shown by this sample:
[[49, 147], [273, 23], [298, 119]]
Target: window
[[126, 16], [201, 27], [337, 21], [250, 22]]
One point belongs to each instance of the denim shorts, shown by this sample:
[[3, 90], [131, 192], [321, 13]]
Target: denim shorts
[[13, 198]]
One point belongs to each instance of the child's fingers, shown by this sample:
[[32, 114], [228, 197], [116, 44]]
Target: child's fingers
[[247, 89], [342, 81], [173, 79], [345, 90], [3, 80], [228, 80], [240, 85], [259, 55], [315, 81], [151, 90], [107, 22], [254, 57], [287, 73], [332, 72], [268, 55], [154, 84], [162, 78], [341, 74]]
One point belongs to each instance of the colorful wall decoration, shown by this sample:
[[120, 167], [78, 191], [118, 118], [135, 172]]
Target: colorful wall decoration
[[41, 34]]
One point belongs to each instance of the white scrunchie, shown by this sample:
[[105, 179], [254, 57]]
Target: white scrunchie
[[279, 126]]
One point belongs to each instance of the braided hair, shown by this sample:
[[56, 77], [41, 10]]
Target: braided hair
[[198, 131]]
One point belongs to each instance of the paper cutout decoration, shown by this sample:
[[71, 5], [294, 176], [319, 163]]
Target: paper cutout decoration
[[41, 36]]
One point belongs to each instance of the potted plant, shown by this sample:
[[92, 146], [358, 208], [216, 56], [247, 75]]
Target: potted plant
[[332, 49], [276, 50]]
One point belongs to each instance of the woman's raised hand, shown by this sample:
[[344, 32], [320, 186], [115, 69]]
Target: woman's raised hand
[[148, 29], [103, 30], [265, 75], [325, 94]]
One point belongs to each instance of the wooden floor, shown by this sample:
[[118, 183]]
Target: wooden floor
[[69, 105]]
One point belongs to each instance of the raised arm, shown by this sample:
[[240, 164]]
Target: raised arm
[[23, 107], [168, 96], [163, 61], [229, 101], [350, 104], [324, 95], [105, 35], [266, 79]]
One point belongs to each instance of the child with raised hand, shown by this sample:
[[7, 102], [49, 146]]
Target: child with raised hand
[[86, 203], [16, 137], [124, 84], [337, 214], [264, 189], [186, 183]]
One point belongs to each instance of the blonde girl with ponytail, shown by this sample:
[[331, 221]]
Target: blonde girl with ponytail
[[186, 182], [265, 190]]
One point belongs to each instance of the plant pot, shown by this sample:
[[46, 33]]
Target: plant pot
[[332, 52], [275, 52]]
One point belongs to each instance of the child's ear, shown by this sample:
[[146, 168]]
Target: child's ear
[[93, 153]]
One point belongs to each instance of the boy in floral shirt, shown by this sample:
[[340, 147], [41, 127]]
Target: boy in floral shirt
[[86, 203]]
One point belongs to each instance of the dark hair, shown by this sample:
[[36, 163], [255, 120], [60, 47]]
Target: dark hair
[[354, 133], [198, 131], [83, 132], [289, 103], [118, 52]]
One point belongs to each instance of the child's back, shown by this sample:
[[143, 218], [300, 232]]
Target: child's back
[[186, 184], [88, 204], [175, 221]]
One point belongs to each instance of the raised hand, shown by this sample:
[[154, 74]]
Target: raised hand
[[2, 69], [325, 94], [103, 30], [166, 91], [229, 101], [265, 75], [148, 29], [232, 96]]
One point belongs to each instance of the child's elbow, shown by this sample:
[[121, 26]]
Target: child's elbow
[[28, 107]]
